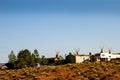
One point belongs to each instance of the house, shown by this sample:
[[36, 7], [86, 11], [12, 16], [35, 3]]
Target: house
[[37, 64], [3, 66], [81, 58], [109, 56], [51, 61], [54, 60], [95, 57], [105, 56]]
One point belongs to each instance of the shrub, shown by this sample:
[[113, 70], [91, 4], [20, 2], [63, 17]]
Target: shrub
[[92, 77], [58, 78]]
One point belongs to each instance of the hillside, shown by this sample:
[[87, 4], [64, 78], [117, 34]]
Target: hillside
[[83, 71]]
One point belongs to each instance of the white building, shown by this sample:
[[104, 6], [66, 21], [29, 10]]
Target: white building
[[81, 58], [109, 56]]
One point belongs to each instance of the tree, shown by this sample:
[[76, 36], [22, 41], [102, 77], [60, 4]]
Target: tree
[[70, 58], [44, 61], [76, 51], [36, 55], [12, 57], [32, 60], [24, 58], [61, 60], [12, 60]]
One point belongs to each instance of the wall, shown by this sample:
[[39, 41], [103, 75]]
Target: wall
[[109, 56], [80, 59]]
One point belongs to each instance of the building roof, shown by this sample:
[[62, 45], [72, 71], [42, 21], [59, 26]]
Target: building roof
[[81, 55]]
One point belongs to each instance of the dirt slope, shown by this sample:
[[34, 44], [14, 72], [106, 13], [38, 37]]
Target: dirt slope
[[83, 71]]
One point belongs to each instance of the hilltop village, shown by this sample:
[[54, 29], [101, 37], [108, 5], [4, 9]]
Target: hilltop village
[[26, 59], [75, 66]]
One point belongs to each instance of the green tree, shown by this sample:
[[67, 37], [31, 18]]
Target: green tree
[[24, 58], [61, 60], [32, 60], [36, 55], [12, 57], [12, 60], [44, 61], [70, 58]]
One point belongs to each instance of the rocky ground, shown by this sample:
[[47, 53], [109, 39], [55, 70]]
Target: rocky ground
[[82, 71]]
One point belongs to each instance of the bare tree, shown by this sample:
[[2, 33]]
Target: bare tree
[[76, 51]]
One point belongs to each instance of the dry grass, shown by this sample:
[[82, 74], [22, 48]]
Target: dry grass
[[83, 71]]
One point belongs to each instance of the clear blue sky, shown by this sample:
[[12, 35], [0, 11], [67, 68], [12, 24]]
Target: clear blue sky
[[50, 25]]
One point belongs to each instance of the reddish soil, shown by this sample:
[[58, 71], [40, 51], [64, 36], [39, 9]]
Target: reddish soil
[[83, 71]]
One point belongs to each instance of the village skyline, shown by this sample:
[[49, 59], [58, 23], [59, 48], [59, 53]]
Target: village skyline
[[50, 25], [74, 51]]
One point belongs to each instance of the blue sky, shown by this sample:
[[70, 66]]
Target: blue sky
[[50, 25]]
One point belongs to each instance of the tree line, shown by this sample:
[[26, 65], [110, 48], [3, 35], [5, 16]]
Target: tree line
[[27, 59]]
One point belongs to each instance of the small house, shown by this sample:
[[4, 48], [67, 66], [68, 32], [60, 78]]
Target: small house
[[108, 56], [3, 66], [81, 58]]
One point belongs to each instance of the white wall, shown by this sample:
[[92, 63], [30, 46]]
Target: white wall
[[115, 56], [105, 55], [109, 56], [80, 59]]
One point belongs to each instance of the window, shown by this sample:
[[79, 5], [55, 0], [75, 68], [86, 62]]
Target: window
[[103, 54]]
